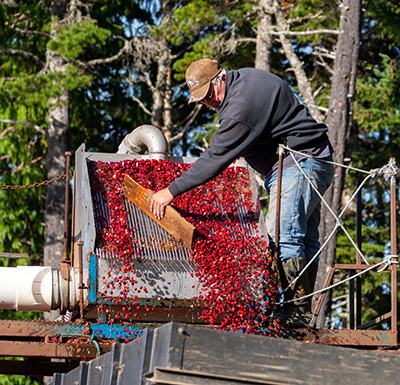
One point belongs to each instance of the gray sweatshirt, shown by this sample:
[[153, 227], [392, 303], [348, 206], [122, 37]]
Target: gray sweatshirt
[[258, 112]]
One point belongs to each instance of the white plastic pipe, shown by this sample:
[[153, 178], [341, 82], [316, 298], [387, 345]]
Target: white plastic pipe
[[26, 288], [37, 288]]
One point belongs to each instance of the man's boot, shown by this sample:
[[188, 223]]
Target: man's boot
[[296, 314]]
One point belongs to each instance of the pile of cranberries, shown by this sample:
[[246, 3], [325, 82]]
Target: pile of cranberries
[[233, 261]]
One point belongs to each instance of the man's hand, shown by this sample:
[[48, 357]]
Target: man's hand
[[159, 201]]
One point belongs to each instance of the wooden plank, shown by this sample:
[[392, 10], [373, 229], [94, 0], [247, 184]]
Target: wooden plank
[[173, 222]]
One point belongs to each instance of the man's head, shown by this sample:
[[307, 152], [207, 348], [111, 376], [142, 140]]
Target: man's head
[[198, 77]]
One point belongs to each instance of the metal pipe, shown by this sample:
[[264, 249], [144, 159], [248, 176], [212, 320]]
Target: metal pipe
[[358, 256], [66, 207], [351, 301], [81, 285], [358, 261], [144, 139], [393, 247], [71, 255], [278, 206]]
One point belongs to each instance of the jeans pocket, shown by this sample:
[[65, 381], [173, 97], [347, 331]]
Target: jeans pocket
[[321, 178]]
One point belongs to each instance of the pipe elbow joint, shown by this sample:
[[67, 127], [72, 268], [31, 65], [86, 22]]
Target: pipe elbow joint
[[145, 139]]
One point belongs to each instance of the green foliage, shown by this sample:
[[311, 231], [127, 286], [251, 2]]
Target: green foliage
[[386, 13], [375, 139], [377, 104], [201, 50], [72, 41], [303, 13], [36, 90], [21, 210], [199, 13]]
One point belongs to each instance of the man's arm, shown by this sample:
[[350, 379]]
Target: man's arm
[[228, 143]]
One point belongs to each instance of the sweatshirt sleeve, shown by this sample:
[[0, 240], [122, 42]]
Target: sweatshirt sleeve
[[228, 143]]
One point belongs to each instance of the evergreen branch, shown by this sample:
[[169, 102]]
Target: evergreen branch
[[26, 124], [24, 32], [122, 51], [23, 54]]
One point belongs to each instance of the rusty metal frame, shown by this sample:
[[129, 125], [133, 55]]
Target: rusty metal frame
[[37, 342], [360, 336], [360, 331]]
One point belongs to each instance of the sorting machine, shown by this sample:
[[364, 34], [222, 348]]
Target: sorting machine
[[76, 286]]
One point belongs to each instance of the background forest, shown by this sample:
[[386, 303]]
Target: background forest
[[74, 72]]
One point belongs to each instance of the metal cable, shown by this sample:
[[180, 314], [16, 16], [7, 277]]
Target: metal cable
[[92, 339], [389, 171], [387, 262]]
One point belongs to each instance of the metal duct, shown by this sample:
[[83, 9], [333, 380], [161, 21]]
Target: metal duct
[[145, 139]]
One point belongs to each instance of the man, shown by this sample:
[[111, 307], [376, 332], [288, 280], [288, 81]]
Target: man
[[257, 111]]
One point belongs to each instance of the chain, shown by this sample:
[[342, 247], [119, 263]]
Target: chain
[[37, 184]]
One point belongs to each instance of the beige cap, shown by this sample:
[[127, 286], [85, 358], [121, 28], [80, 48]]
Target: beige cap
[[198, 77]]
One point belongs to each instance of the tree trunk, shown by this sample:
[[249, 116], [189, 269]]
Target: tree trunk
[[339, 121], [168, 127], [264, 38], [159, 89], [56, 147], [297, 66]]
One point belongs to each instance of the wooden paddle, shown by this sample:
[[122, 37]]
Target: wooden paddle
[[172, 222]]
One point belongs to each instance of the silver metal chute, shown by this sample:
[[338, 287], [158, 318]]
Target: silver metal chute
[[145, 139]]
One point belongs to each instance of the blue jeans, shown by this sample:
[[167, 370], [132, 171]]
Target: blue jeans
[[300, 208]]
